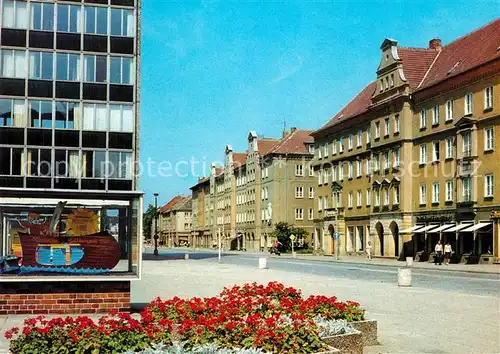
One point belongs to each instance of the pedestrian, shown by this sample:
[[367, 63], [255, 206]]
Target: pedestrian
[[369, 251], [447, 253], [439, 253]]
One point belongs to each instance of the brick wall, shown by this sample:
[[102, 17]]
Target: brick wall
[[63, 297]]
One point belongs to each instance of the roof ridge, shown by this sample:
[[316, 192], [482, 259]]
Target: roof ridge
[[418, 49], [428, 69], [281, 142], [471, 33]]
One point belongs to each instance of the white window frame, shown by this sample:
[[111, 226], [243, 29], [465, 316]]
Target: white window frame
[[449, 111], [449, 147], [334, 147], [37, 56], [397, 158], [386, 196], [320, 177], [423, 118], [123, 31], [435, 115], [359, 199], [395, 190], [449, 191], [489, 185], [69, 13], [350, 200], [325, 149], [468, 103], [325, 176], [435, 193], [489, 138], [311, 171], [387, 158], [467, 188], [299, 214], [387, 126], [436, 153], [488, 97], [311, 192], [43, 5], [320, 203], [320, 153], [359, 167], [85, 68], [96, 22], [66, 58], [423, 154], [377, 129], [341, 145], [350, 142], [368, 197], [299, 170], [311, 214], [360, 138], [334, 173], [423, 194], [368, 135], [377, 197], [396, 124], [350, 170]]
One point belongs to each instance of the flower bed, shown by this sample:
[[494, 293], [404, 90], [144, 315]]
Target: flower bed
[[271, 318]]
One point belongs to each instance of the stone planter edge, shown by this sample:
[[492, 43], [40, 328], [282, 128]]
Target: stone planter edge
[[368, 329], [347, 343]]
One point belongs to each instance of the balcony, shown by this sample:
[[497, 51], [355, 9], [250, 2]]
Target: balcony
[[465, 169]]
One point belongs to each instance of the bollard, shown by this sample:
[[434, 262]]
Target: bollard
[[262, 263], [186, 256], [404, 277], [409, 261]]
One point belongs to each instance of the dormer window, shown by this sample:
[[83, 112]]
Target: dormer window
[[392, 80]]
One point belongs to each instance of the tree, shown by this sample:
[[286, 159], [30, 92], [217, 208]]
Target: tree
[[282, 232], [147, 221]]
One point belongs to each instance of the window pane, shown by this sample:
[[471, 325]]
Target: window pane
[[47, 66], [114, 118], [19, 61], [35, 65], [34, 113], [115, 70], [114, 165], [48, 17], [6, 116], [89, 68], [21, 14], [45, 163], [72, 120], [90, 19], [88, 117], [61, 115], [102, 20], [75, 18], [46, 114], [127, 119], [8, 14], [101, 117], [74, 67], [60, 163], [62, 17], [62, 66], [128, 23], [100, 69], [127, 71], [99, 164], [116, 22], [36, 15]]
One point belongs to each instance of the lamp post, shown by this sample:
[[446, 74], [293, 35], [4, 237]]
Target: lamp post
[[155, 252]]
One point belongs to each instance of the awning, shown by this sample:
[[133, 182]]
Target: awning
[[442, 227], [426, 228], [410, 229], [458, 227], [477, 227]]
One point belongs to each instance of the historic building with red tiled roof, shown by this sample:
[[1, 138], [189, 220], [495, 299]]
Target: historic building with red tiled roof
[[174, 221], [395, 166], [270, 182]]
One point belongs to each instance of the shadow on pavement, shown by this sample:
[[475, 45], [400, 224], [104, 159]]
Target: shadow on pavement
[[177, 256]]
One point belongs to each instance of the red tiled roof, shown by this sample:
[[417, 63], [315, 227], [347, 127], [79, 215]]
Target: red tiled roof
[[416, 63], [294, 143], [171, 203], [264, 145], [358, 105], [465, 53], [239, 158]]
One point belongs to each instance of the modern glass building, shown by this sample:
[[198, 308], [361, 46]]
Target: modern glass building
[[69, 122]]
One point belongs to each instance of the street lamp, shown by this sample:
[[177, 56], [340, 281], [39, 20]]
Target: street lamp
[[155, 252]]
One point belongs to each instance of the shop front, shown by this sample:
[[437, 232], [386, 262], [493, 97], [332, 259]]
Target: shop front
[[55, 243]]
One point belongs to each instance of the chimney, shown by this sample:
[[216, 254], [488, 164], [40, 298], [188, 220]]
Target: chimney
[[285, 133], [435, 43], [293, 130]]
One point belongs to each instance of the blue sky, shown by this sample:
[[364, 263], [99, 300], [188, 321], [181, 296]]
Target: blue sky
[[211, 72]]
